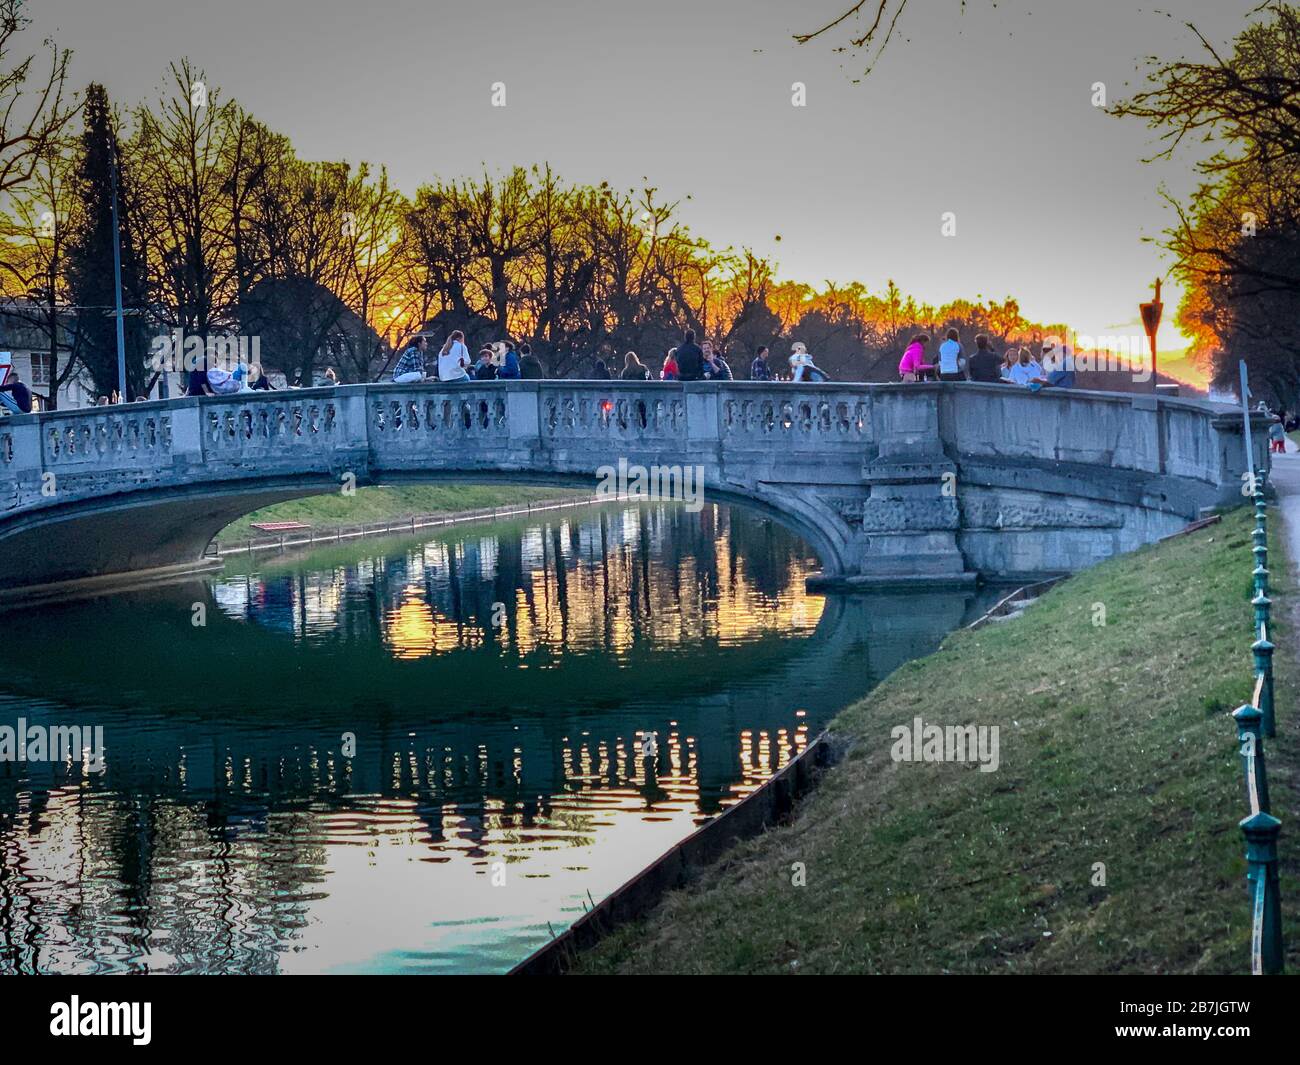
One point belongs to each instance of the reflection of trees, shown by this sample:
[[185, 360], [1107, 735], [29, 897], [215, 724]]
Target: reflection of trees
[[200, 845]]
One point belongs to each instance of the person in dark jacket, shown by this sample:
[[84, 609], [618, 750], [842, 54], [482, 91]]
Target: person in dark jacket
[[984, 364], [530, 366], [198, 383], [600, 371], [690, 359], [759, 370], [19, 393], [484, 369], [509, 368], [716, 368], [634, 369]]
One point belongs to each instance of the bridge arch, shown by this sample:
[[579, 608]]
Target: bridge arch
[[889, 484]]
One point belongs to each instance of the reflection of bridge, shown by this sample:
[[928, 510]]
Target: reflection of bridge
[[889, 483]]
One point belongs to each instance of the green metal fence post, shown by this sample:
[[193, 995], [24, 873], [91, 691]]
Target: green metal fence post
[[1261, 603], [1251, 748], [1263, 652], [1261, 831], [1260, 573]]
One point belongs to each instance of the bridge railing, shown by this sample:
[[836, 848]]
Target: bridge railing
[[1255, 720], [512, 424]]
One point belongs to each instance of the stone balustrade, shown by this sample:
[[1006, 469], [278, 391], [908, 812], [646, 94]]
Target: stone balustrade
[[889, 483]]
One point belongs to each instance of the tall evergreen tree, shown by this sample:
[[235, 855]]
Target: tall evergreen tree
[[90, 256]]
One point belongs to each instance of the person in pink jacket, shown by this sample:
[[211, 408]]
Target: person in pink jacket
[[912, 366]]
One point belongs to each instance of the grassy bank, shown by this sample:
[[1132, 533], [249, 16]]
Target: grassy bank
[[1115, 748], [393, 504]]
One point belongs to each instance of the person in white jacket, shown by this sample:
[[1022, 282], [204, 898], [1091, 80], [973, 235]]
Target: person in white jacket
[[453, 359]]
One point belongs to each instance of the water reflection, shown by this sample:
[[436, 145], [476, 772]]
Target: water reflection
[[494, 680]]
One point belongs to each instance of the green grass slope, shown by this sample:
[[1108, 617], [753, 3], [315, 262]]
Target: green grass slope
[[1116, 751]]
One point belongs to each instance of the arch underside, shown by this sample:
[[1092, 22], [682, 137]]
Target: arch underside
[[166, 530]]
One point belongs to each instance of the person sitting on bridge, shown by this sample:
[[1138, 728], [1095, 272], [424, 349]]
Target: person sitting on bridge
[[690, 359], [912, 366], [1058, 365], [198, 383], [670, 371], [715, 366], [257, 379], [952, 364], [634, 369], [21, 396], [530, 366], [410, 367], [802, 368], [223, 382], [1009, 358], [484, 367], [453, 359], [1027, 372], [600, 371], [509, 368], [759, 370], [984, 365]]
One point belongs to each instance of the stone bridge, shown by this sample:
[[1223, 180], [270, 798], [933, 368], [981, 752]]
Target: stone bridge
[[896, 484]]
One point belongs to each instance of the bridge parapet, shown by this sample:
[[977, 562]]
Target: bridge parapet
[[889, 483]]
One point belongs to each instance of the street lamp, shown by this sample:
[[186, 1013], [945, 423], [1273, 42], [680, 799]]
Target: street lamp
[[1151, 322]]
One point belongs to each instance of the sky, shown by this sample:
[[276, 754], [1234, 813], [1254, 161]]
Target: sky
[[986, 113]]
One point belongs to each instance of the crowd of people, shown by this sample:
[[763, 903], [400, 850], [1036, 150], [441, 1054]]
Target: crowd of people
[[691, 360], [1016, 366], [688, 361]]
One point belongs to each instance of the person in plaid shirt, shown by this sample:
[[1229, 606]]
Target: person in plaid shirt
[[410, 367]]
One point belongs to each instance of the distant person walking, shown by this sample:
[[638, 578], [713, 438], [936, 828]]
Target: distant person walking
[[453, 359], [1277, 435], [530, 366], [759, 370], [690, 359], [634, 369], [952, 364], [410, 367], [912, 366], [984, 365]]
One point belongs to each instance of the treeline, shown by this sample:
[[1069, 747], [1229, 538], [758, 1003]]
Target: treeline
[[224, 229], [1236, 244]]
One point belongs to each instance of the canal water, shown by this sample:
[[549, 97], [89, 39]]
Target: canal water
[[419, 754]]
